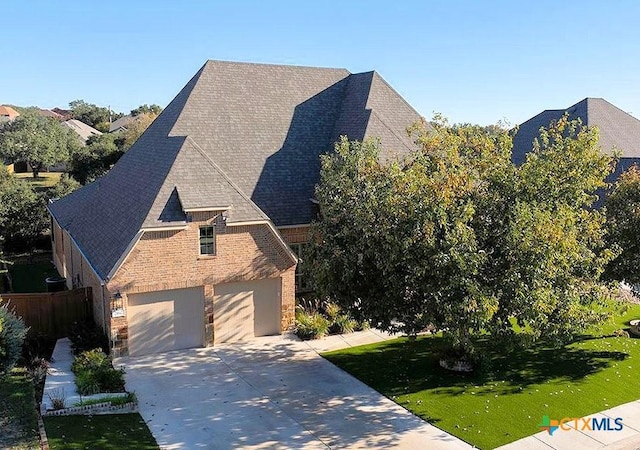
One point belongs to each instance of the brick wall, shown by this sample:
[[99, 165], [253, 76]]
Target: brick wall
[[297, 235], [164, 260]]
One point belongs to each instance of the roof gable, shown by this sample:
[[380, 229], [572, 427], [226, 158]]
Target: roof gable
[[618, 129], [246, 136]]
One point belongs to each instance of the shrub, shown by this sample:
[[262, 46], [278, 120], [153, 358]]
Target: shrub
[[343, 324], [95, 374], [12, 335], [362, 326], [86, 335], [310, 325]]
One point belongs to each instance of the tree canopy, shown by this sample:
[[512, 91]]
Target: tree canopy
[[457, 237], [98, 117], [38, 140], [623, 221], [146, 109]]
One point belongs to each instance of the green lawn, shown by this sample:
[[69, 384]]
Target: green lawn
[[29, 277], [18, 421], [104, 432], [43, 181], [594, 373]]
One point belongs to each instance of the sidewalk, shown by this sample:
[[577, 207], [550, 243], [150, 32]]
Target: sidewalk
[[626, 439]]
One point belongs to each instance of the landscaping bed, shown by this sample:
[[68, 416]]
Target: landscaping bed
[[507, 398]]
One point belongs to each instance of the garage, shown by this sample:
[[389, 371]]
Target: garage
[[246, 309], [165, 320]]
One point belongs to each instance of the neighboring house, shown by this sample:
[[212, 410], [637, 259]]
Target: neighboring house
[[83, 130], [7, 114], [618, 130], [188, 240], [64, 113], [49, 113], [120, 125]]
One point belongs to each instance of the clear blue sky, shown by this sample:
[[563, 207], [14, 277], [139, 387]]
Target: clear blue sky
[[474, 61]]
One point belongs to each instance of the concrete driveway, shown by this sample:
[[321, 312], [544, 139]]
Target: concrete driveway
[[272, 392]]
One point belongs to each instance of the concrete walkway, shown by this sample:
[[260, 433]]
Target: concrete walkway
[[271, 392], [628, 438], [60, 380]]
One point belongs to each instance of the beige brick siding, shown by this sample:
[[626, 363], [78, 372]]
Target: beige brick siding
[[164, 260], [297, 235]]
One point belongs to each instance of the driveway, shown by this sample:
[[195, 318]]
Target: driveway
[[273, 392]]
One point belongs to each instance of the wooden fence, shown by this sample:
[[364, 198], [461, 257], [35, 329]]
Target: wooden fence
[[52, 313]]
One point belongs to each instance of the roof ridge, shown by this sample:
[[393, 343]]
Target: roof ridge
[[296, 66], [376, 74], [225, 176], [381, 118]]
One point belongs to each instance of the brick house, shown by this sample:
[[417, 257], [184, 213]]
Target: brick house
[[191, 239]]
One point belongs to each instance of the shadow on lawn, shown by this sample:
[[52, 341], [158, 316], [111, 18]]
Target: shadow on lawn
[[403, 367]]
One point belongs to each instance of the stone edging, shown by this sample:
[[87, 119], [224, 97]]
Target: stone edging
[[98, 408]]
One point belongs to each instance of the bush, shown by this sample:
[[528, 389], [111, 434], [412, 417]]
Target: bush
[[343, 324], [12, 335], [310, 325], [86, 336], [95, 374]]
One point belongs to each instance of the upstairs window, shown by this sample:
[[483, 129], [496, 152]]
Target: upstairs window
[[207, 240]]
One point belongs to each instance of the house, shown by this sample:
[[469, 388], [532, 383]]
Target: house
[[50, 113], [7, 113], [83, 130], [619, 130], [120, 125], [191, 239]]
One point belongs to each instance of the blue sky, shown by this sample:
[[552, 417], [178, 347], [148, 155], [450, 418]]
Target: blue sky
[[473, 61]]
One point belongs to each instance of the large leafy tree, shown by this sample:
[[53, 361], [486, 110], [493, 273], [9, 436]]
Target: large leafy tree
[[98, 117], [623, 220], [22, 212], [458, 237], [37, 140], [96, 158]]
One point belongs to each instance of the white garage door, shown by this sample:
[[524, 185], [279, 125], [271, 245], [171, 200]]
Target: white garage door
[[165, 320], [246, 309]]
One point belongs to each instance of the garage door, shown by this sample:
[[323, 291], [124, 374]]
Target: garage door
[[246, 309], [165, 320]]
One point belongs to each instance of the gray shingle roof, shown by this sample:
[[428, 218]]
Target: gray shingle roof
[[618, 129], [248, 136]]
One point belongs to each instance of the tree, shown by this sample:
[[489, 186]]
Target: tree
[[137, 127], [623, 223], [38, 140], [23, 215], [146, 109], [458, 237], [12, 335], [65, 186], [99, 117], [96, 158]]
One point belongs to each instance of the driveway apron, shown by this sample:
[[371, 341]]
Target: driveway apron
[[270, 392]]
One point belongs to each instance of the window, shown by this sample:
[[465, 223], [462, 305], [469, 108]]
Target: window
[[303, 283], [207, 241]]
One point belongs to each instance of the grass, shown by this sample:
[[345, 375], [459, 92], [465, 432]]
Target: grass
[[43, 181], [30, 277], [100, 432], [18, 420], [595, 373]]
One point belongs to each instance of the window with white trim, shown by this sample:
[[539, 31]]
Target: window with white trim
[[207, 240]]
